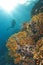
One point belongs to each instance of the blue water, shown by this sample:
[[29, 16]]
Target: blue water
[[21, 14]]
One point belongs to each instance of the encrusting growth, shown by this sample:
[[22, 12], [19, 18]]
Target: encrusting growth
[[26, 46]]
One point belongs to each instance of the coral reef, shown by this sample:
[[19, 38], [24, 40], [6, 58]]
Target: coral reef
[[26, 46]]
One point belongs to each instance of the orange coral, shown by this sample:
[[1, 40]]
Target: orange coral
[[40, 42], [38, 20], [18, 59], [21, 34]]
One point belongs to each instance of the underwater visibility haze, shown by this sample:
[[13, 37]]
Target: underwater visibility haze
[[12, 23]]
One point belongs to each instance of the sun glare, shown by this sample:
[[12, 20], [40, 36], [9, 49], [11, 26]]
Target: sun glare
[[8, 5]]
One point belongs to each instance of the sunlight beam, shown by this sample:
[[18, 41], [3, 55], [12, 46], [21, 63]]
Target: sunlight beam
[[9, 5]]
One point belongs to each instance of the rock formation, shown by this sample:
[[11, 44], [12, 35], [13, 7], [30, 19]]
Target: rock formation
[[26, 46]]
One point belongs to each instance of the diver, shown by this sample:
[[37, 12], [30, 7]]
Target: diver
[[12, 24]]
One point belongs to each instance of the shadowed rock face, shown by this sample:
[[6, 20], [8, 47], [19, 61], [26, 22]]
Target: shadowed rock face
[[26, 46], [38, 8]]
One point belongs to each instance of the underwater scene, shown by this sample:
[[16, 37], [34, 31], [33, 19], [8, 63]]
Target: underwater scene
[[21, 32]]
